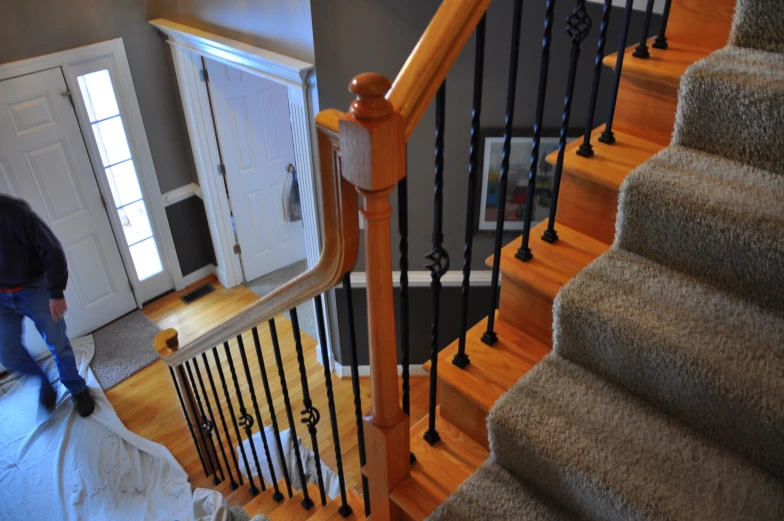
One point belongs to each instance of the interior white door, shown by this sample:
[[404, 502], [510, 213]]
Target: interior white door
[[43, 160], [254, 131]]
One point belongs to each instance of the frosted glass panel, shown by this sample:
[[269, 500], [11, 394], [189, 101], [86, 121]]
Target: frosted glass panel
[[124, 183], [98, 95], [135, 222], [146, 259], [112, 142]]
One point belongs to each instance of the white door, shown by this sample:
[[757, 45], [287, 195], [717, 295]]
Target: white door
[[254, 131], [43, 160]]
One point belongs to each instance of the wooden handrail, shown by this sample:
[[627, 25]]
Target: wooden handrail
[[433, 57], [340, 222]]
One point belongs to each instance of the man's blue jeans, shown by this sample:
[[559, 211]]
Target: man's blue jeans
[[33, 302]]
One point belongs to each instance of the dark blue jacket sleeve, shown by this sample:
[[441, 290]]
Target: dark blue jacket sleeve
[[50, 251]]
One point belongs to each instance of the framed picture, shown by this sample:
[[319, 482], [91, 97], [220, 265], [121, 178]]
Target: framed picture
[[517, 182]]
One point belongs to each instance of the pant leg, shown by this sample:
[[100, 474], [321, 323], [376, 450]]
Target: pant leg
[[34, 303], [13, 354]]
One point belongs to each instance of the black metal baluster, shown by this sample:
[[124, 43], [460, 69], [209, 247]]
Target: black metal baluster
[[352, 335], [439, 261], [223, 420], [232, 484], [462, 359], [490, 336], [253, 489], [586, 148], [344, 509], [661, 40], [608, 137], [277, 496], [578, 25], [405, 336], [206, 427], [188, 419], [524, 252], [307, 503], [642, 50], [246, 422], [311, 415]]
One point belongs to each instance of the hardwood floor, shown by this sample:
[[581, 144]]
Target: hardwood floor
[[148, 405]]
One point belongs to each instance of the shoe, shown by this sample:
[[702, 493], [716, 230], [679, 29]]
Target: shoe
[[48, 396], [84, 403]]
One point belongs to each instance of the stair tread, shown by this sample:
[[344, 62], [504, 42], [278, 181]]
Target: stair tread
[[292, 509], [553, 265], [665, 65], [264, 503], [608, 455], [439, 468], [330, 511], [493, 369], [610, 164]]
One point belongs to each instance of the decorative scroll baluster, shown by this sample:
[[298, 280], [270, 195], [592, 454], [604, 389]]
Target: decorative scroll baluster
[[223, 421], [586, 148], [281, 455], [642, 50], [461, 359], [661, 39], [253, 489], [439, 261], [188, 419], [490, 336], [232, 484], [405, 336], [578, 25], [608, 137], [246, 422], [307, 503], [344, 509], [311, 415], [352, 334], [207, 427]]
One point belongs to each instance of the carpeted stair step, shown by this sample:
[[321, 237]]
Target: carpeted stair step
[[609, 456], [732, 104], [712, 218], [758, 24], [494, 492], [705, 356]]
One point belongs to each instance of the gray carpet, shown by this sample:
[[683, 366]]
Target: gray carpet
[[236, 513], [663, 398], [264, 285], [123, 348]]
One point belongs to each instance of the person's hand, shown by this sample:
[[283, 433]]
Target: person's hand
[[58, 307]]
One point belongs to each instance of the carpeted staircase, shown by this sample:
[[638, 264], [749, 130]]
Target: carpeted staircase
[[663, 398]]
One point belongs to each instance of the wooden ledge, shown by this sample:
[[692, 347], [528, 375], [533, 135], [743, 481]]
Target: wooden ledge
[[330, 512], [291, 509], [665, 66]]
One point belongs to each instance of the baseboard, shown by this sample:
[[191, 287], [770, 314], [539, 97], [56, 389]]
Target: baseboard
[[199, 274], [364, 370], [180, 194], [422, 279]]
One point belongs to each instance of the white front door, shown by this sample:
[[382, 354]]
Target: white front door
[[43, 160], [254, 131]]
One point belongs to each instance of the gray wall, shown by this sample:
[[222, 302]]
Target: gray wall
[[191, 234]]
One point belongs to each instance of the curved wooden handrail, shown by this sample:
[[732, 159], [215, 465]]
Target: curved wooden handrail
[[339, 217], [433, 57]]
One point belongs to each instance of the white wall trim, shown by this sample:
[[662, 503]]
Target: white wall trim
[[639, 5], [421, 279], [199, 274], [180, 194], [344, 371]]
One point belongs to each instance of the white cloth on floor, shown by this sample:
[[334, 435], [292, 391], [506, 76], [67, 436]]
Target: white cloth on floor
[[61, 466]]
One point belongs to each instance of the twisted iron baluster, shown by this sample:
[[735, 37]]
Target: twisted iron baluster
[[307, 503], [188, 419], [344, 509], [578, 25], [253, 490], [246, 422], [608, 137], [232, 484], [405, 342], [661, 39], [352, 335], [642, 50], [461, 359], [223, 420], [310, 414], [206, 427], [490, 336], [586, 148]]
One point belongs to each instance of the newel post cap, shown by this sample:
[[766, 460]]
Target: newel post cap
[[166, 342], [371, 89]]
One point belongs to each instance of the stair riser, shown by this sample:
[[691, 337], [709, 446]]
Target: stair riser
[[700, 23], [464, 414], [587, 207], [527, 310], [646, 109]]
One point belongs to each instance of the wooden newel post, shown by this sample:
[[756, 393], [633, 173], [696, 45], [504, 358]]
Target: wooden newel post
[[373, 151]]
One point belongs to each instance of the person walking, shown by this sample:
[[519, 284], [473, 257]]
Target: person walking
[[33, 276]]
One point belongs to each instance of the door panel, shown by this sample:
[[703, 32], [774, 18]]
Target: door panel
[[43, 160], [254, 131]]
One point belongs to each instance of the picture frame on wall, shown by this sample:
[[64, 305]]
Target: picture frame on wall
[[517, 182]]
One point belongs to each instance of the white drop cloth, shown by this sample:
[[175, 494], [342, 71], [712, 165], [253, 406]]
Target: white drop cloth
[[60, 466]]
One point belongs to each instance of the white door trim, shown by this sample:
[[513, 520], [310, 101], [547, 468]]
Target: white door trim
[[300, 79], [114, 51]]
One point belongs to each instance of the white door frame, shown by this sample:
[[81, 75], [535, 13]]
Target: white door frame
[[112, 53], [300, 80]]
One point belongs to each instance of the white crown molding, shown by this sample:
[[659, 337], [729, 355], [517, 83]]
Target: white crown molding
[[422, 279], [180, 194]]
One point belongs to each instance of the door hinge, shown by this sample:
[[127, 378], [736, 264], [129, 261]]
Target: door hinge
[[237, 249], [70, 97], [222, 169], [205, 76]]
